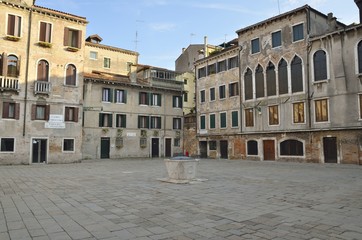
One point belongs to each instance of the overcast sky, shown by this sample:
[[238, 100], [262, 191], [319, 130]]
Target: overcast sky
[[164, 27]]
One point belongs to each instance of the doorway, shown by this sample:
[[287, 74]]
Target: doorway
[[105, 147], [203, 149], [224, 149], [168, 147], [155, 147], [330, 149], [39, 150], [269, 150]]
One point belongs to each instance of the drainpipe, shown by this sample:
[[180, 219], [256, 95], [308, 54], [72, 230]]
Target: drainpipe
[[240, 95], [308, 71], [27, 69]]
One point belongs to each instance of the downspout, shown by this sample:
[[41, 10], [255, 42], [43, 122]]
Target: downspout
[[240, 93], [308, 71], [27, 69]]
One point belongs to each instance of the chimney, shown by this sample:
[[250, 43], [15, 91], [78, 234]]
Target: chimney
[[332, 22], [359, 5], [206, 54], [183, 50]]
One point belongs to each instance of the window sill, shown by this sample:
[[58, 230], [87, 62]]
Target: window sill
[[71, 86], [320, 82], [12, 38], [45, 44], [72, 49]]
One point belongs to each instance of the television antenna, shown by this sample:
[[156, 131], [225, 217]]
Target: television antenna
[[136, 41], [279, 6]]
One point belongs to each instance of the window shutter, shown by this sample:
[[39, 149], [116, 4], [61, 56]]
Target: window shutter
[[124, 120], [17, 111], [79, 44], [42, 32], [180, 98], [100, 119], [33, 111], [18, 66], [5, 110], [159, 99], [111, 94], [110, 120], [173, 101], [149, 98], [66, 114], [66, 36], [125, 96], [139, 121], [4, 64], [148, 122], [47, 112], [11, 25], [117, 120]]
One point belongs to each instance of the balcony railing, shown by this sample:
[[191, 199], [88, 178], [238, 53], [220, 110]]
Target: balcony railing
[[165, 83], [9, 84], [42, 87]]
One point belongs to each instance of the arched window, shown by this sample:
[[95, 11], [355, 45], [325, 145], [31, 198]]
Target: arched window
[[359, 52], [283, 77], [43, 71], [320, 65], [271, 80], [259, 81], [297, 75], [248, 84], [13, 66], [252, 147], [71, 75], [291, 148]]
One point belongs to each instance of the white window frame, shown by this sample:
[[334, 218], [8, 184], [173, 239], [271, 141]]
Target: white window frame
[[90, 55], [64, 151], [4, 152]]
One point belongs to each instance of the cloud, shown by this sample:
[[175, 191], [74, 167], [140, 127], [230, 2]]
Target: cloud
[[162, 27]]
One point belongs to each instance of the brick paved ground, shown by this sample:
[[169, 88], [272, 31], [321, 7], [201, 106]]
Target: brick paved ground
[[123, 200]]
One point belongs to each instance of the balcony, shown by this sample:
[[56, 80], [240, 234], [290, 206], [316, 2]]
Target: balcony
[[9, 84], [42, 87], [166, 83]]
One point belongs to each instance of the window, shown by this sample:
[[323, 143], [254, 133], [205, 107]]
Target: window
[[7, 145], [202, 122], [211, 69], [14, 25], [359, 53], [143, 142], [283, 77], [252, 148], [177, 101], [13, 66], [212, 94], [71, 77], [273, 115], [321, 110], [221, 66], [298, 112], [176, 123], [249, 117], [186, 97], [43, 71], [222, 94], [223, 120], [68, 145], [156, 122], [276, 39], [144, 98], [143, 122], [234, 119], [212, 145], [71, 114], [107, 62], [185, 81], [201, 72], [298, 32], [45, 33], [259, 81], [105, 120], [255, 46], [120, 96], [360, 106], [233, 62], [233, 89], [156, 99], [93, 55], [40, 112], [320, 65], [11, 110], [212, 121], [297, 74], [72, 38], [271, 88], [176, 142], [121, 120], [202, 96], [106, 95], [248, 84], [291, 148]]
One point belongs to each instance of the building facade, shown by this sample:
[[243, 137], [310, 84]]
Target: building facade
[[293, 89], [130, 110], [41, 83]]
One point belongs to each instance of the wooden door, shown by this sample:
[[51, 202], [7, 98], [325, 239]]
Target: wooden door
[[269, 150], [105, 147], [330, 149], [168, 147], [224, 149]]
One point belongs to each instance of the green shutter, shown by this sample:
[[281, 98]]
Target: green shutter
[[124, 121], [100, 120], [111, 94], [223, 120], [110, 120], [159, 100], [235, 119], [149, 98], [125, 96], [202, 122], [212, 121]]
